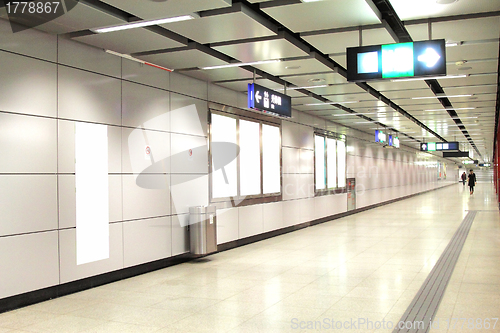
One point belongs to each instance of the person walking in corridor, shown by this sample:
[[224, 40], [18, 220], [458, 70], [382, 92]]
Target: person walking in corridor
[[464, 178], [472, 181]]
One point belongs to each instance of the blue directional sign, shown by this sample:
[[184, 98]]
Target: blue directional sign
[[269, 101], [413, 59]]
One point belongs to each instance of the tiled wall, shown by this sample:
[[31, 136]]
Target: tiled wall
[[49, 84]]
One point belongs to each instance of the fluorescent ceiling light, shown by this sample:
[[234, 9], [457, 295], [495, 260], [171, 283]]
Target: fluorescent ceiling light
[[431, 78], [451, 109], [141, 24], [443, 96], [330, 103], [307, 87], [239, 64], [464, 117], [351, 114]]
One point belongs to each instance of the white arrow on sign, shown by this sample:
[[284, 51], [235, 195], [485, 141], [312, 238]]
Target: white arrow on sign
[[430, 57], [258, 97]]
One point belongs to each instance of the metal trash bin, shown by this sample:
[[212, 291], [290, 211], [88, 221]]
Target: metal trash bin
[[202, 230]]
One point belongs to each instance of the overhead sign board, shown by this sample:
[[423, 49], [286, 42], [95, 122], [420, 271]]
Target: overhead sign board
[[395, 142], [270, 101], [380, 136], [448, 154], [414, 59], [439, 146]]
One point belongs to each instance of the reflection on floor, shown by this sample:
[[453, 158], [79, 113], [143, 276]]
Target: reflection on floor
[[357, 273]]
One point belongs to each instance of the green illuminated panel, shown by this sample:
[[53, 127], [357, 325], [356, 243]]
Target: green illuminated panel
[[397, 60], [431, 146]]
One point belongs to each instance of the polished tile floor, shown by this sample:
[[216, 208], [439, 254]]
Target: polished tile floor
[[348, 273]]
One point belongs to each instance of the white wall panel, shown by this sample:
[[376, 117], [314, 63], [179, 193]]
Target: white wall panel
[[222, 95], [29, 85], [115, 198], [89, 97], [338, 204], [180, 234], [306, 137], [289, 136], [145, 107], [182, 161], [307, 210], [322, 206], [70, 271], [28, 144], [291, 213], [134, 157], [306, 189], [29, 42], [227, 225], [28, 203], [188, 115], [139, 202], [306, 161], [188, 86], [188, 191], [146, 240], [273, 216], [136, 72], [86, 57], [291, 160], [29, 262], [250, 221], [291, 186]]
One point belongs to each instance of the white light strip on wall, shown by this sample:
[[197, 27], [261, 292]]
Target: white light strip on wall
[[444, 96], [141, 24], [431, 78], [92, 198], [239, 64]]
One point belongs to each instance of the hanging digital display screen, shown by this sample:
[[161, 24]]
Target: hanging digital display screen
[[414, 59]]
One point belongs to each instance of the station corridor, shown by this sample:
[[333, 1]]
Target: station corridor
[[357, 272]]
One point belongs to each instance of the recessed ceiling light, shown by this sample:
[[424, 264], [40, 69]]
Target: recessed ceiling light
[[317, 80], [292, 67]]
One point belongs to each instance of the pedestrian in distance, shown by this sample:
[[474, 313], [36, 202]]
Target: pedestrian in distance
[[464, 178], [472, 181]]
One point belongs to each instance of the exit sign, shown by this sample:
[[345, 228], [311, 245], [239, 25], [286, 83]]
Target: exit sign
[[414, 59]]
